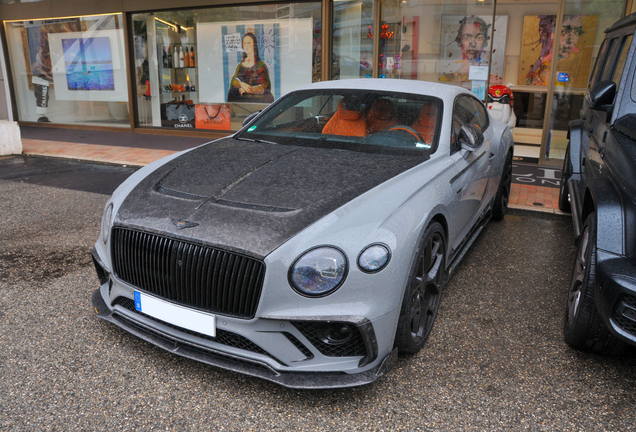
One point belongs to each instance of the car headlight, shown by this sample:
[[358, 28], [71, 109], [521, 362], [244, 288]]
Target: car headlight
[[318, 271], [374, 258], [106, 220]]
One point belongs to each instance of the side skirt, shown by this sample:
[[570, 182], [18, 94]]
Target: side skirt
[[469, 240]]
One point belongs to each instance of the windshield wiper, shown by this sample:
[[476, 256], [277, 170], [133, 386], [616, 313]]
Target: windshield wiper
[[258, 140]]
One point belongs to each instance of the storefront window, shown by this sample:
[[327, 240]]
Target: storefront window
[[210, 68], [579, 40], [352, 55], [70, 70], [446, 42]]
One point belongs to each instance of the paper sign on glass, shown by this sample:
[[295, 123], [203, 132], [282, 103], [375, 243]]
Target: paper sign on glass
[[478, 73], [233, 42]]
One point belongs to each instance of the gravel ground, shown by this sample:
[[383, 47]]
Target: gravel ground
[[496, 359]]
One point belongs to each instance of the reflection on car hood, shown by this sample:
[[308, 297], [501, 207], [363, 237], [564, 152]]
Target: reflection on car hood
[[251, 197]]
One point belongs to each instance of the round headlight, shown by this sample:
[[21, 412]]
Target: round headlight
[[106, 220], [319, 271], [374, 258]]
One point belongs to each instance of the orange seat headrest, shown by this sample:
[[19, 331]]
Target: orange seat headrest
[[383, 109], [427, 116], [346, 114]]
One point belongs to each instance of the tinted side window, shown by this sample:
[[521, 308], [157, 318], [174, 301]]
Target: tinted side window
[[598, 63], [622, 57], [608, 67], [482, 115], [467, 110]]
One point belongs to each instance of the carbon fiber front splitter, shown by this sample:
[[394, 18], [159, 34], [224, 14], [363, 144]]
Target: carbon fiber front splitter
[[297, 380]]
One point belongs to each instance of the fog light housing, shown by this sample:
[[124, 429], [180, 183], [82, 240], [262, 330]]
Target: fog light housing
[[334, 333], [374, 258]]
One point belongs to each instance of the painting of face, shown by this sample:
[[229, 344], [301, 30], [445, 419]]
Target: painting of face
[[248, 45], [571, 30], [466, 43], [574, 58], [472, 42]]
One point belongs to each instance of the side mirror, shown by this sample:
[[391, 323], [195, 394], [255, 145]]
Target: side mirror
[[250, 117], [601, 96], [470, 137]]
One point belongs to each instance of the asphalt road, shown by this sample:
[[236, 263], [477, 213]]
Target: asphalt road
[[89, 177], [496, 359]]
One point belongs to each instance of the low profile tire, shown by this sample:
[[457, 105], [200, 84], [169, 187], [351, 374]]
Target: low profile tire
[[564, 190], [582, 325], [503, 193], [423, 292]]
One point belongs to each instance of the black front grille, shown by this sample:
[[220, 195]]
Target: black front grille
[[626, 309], [223, 337], [355, 346], [187, 273]]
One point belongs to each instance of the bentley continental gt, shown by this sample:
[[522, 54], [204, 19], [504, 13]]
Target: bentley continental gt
[[312, 246]]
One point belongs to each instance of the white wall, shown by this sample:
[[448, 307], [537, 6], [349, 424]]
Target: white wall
[[5, 101]]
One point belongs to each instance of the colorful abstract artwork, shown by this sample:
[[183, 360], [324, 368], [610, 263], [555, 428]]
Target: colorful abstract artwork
[[574, 59]]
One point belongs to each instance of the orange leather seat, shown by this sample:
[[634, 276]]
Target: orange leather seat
[[346, 122], [425, 122], [382, 115]]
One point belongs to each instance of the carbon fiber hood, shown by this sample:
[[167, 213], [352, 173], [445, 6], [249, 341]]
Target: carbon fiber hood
[[251, 197]]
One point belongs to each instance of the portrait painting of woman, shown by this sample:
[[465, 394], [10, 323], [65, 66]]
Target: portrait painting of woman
[[250, 82]]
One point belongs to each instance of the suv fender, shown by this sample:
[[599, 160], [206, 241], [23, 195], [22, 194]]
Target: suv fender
[[609, 215]]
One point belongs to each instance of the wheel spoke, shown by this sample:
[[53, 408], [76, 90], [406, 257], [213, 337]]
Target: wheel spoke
[[433, 269], [580, 265]]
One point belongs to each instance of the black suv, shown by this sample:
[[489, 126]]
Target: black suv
[[599, 188]]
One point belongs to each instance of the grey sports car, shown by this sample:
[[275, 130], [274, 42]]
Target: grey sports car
[[312, 246]]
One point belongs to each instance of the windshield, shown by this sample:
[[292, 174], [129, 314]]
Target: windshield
[[366, 121]]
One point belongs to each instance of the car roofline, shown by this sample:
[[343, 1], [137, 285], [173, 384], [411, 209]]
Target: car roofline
[[400, 86]]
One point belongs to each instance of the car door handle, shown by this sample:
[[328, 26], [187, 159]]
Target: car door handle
[[491, 156]]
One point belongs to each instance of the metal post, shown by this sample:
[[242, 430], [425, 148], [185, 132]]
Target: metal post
[[545, 136], [376, 38]]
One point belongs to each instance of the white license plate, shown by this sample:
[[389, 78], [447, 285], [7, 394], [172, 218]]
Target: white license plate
[[199, 322]]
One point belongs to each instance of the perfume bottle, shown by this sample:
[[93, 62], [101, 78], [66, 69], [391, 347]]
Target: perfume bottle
[[164, 58], [191, 56], [181, 59], [169, 57], [186, 57]]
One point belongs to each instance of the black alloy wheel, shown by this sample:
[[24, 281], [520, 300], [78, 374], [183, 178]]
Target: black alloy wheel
[[582, 325], [423, 292], [564, 190], [503, 193]]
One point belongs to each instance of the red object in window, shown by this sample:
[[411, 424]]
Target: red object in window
[[386, 34]]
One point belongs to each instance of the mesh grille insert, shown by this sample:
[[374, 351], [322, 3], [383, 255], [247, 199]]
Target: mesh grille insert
[[628, 325], [355, 346], [301, 347]]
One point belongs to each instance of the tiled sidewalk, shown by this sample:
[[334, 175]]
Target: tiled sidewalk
[[522, 196], [95, 153], [536, 198]]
